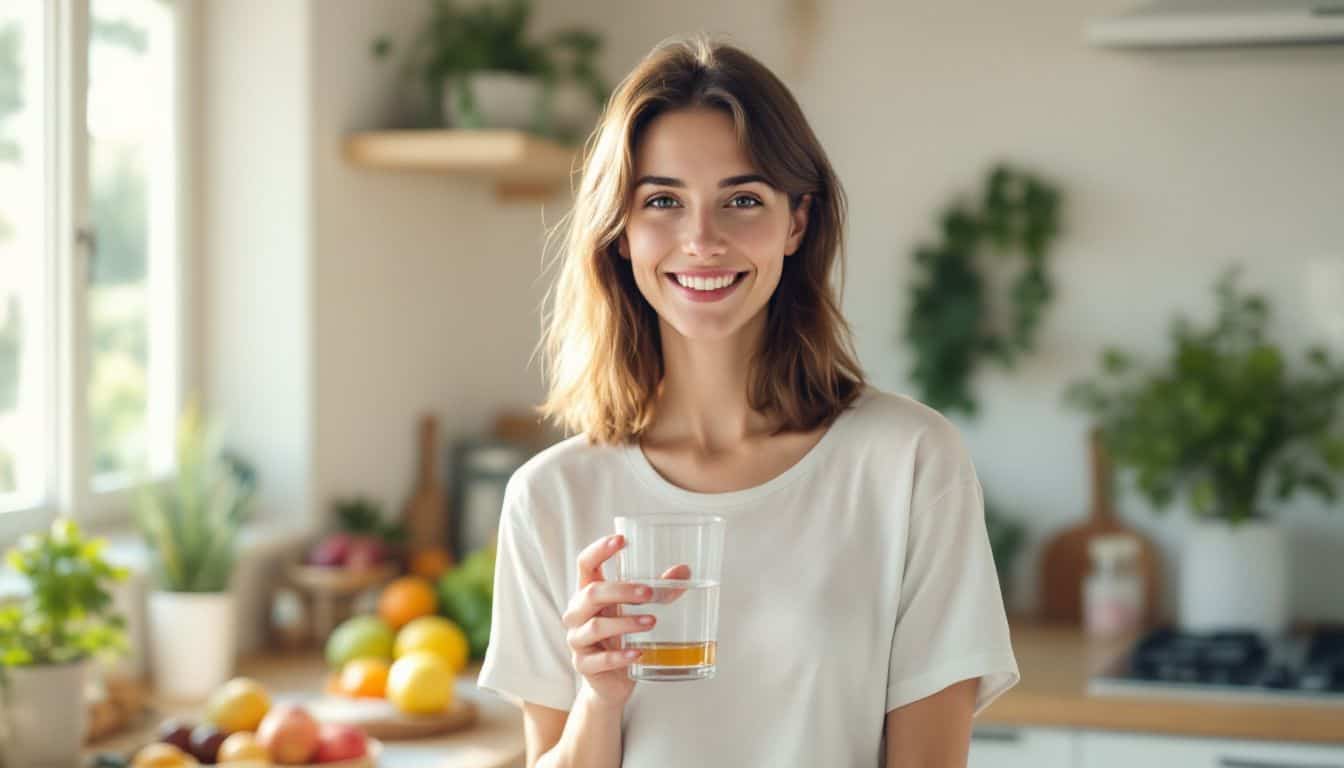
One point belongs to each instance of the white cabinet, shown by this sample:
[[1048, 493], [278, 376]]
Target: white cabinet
[[1008, 747], [1127, 750]]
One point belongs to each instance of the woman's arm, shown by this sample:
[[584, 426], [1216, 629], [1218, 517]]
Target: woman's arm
[[588, 735], [934, 732]]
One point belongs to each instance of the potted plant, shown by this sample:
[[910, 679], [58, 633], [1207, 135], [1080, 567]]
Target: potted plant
[[48, 638], [1227, 424], [190, 525], [478, 69]]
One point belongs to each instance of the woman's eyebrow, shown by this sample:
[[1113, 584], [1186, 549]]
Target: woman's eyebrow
[[731, 181]]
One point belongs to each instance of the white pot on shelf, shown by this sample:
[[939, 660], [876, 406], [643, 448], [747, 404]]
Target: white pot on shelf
[[502, 100], [1234, 578], [193, 637], [46, 716]]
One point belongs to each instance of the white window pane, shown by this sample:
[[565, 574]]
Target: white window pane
[[132, 307], [25, 298]]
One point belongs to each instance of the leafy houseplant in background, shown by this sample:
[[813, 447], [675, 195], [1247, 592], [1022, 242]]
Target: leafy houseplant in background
[[949, 326], [47, 638], [476, 68], [190, 525], [1225, 423]]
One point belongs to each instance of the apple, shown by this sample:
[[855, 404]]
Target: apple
[[162, 755], [366, 552], [177, 732], [242, 747], [205, 741], [337, 742], [331, 551], [289, 734]]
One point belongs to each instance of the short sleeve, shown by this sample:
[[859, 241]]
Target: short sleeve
[[528, 657], [950, 625]]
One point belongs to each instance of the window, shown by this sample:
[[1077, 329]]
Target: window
[[90, 254]]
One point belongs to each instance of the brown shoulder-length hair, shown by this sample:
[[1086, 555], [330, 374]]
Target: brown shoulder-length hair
[[603, 355]]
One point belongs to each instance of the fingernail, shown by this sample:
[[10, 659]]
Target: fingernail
[[631, 654], [642, 592], [613, 541], [646, 620]]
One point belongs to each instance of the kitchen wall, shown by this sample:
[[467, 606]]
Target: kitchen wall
[[422, 291]]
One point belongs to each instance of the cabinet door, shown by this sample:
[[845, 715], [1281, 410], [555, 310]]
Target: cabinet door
[[1006, 747], [1121, 750]]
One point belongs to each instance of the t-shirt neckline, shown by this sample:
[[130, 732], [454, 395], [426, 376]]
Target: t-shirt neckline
[[660, 485]]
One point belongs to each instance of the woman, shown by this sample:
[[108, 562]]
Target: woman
[[696, 347]]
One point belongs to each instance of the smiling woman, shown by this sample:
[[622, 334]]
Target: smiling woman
[[696, 347]]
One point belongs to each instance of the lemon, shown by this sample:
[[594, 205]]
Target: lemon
[[436, 635], [420, 683]]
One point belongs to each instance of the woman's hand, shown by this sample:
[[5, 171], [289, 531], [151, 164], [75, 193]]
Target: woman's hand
[[596, 624]]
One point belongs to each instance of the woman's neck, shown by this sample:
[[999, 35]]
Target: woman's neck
[[702, 403]]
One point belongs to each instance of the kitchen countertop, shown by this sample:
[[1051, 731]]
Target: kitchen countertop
[[1056, 660], [495, 741]]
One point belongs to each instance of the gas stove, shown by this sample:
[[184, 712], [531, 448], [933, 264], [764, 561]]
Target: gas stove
[[1299, 667]]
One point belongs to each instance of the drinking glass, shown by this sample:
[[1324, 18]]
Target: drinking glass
[[679, 557]]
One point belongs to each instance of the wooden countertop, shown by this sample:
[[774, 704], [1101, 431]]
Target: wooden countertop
[[1055, 662], [495, 741]]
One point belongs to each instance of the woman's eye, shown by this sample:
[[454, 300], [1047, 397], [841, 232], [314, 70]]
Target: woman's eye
[[744, 201], [661, 201]]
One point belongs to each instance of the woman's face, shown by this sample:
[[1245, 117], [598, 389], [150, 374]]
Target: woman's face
[[707, 236]]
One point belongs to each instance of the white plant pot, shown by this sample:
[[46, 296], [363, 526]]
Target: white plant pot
[[1234, 578], [46, 715], [192, 641], [504, 100]]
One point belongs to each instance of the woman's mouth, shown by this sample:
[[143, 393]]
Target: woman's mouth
[[706, 285]]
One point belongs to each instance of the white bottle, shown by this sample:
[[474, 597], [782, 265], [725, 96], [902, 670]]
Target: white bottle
[[1113, 591]]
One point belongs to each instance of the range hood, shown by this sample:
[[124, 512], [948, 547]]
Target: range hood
[[1189, 23]]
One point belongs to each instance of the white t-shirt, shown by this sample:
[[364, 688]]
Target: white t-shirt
[[857, 581]]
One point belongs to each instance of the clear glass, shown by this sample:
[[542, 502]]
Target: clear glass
[[25, 266], [680, 557], [132, 309]]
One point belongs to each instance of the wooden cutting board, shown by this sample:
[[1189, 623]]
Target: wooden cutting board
[[381, 720], [1065, 561]]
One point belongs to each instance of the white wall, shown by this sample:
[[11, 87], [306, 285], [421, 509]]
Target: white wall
[[422, 291], [254, 193]]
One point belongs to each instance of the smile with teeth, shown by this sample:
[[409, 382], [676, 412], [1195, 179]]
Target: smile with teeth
[[696, 283]]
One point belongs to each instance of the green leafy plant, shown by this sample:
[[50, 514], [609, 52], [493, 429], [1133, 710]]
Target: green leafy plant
[[456, 42], [1223, 419], [67, 615], [191, 523], [949, 326], [362, 516]]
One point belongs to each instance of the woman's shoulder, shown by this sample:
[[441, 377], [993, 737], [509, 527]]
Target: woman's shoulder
[[890, 416], [558, 465]]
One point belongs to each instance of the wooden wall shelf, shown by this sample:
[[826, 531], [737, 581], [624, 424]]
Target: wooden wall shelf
[[523, 166]]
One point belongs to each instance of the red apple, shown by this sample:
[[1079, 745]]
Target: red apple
[[366, 552], [289, 733], [205, 741], [331, 551], [337, 742], [176, 732]]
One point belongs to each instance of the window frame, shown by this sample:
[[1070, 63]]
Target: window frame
[[70, 488]]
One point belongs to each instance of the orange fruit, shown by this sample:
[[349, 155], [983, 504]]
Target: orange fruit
[[431, 562], [364, 678], [406, 598]]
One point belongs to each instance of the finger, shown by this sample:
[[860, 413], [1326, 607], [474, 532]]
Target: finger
[[603, 598], [599, 629], [676, 572], [605, 661], [594, 555]]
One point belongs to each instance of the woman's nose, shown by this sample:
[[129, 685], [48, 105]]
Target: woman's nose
[[702, 236]]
